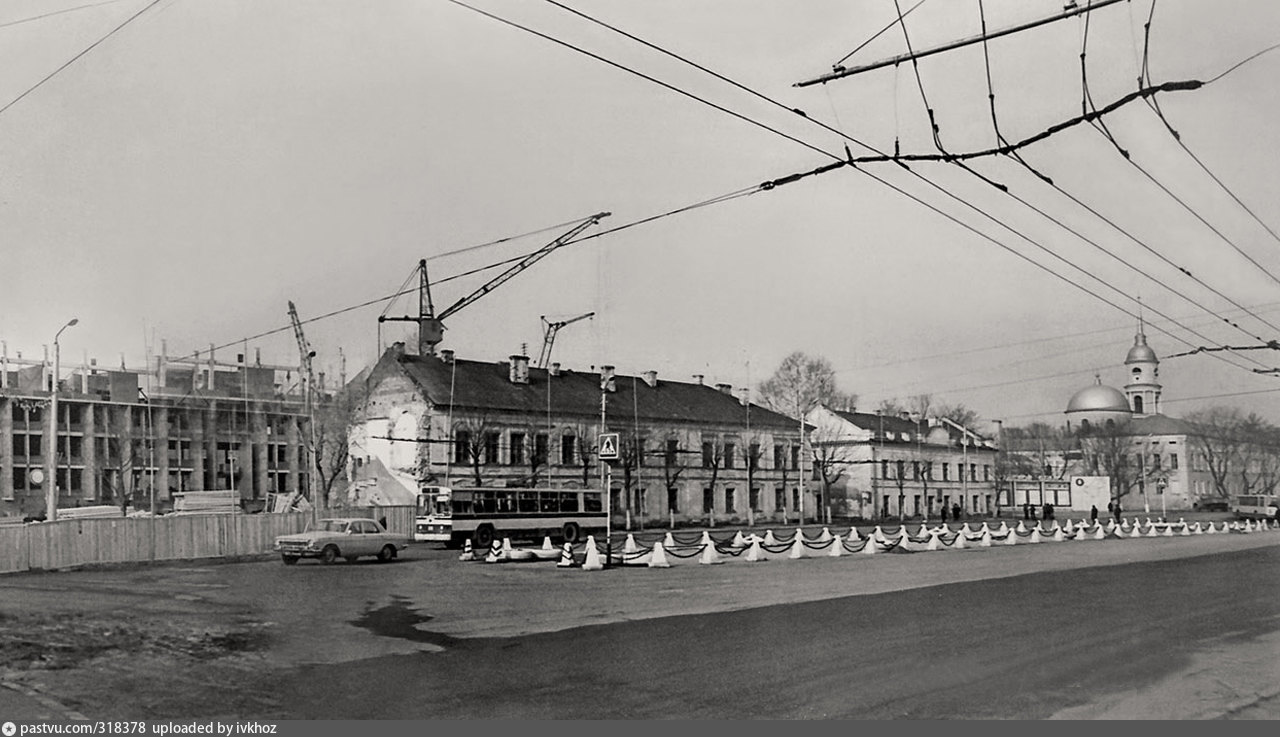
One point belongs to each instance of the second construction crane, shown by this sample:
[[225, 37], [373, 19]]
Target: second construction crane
[[550, 328]]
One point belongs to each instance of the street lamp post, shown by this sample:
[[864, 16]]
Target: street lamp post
[[51, 458]]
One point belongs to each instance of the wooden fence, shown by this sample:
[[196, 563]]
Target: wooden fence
[[70, 543]]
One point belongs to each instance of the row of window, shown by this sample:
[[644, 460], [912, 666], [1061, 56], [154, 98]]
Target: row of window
[[469, 448], [180, 451], [924, 469], [729, 497], [72, 480], [26, 414]]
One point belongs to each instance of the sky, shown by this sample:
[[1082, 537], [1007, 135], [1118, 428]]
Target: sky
[[188, 176]]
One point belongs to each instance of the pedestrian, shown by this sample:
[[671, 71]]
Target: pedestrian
[[944, 514], [1026, 510], [1093, 514], [955, 512], [1119, 515]]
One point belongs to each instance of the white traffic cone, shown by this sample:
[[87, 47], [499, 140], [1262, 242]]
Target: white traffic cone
[[985, 528], [1022, 526], [877, 535], [566, 557], [825, 536], [837, 547], [593, 562], [923, 531], [495, 553], [1035, 534], [1210, 529], [870, 547], [738, 540], [903, 535], [1099, 533], [1186, 529], [1069, 529], [668, 541], [1151, 531], [1196, 529], [986, 538], [1004, 527], [1011, 538], [755, 554], [1135, 531], [629, 545], [1058, 535], [706, 539], [934, 542], [769, 539], [709, 555], [961, 541], [799, 534], [1168, 531], [467, 552], [546, 544], [965, 529], [506, 546], [658, 559], [797, 547]]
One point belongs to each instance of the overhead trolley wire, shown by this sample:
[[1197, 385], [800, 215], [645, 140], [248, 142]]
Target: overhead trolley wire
[[77, 57], [874, 36], [882, 181], [20, 21]]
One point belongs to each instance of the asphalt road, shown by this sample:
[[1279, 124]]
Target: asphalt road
[[1162, 627]]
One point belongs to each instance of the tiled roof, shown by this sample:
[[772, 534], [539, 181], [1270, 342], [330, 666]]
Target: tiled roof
[[479, 385], [1159, 425], [894, 425]]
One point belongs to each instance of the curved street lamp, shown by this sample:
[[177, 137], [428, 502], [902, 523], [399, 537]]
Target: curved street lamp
[[51, 453]]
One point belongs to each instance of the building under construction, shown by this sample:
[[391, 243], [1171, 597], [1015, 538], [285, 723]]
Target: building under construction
[[189, 424]]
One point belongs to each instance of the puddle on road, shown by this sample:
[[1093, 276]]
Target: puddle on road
[[398, 619]]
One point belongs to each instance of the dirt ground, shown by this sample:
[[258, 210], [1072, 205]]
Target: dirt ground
[[259, 639]]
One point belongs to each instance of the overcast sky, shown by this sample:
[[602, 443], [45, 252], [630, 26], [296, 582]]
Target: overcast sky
[[212, 160]]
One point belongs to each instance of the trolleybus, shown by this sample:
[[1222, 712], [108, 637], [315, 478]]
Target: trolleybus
[[482, 515], [1256, 506]]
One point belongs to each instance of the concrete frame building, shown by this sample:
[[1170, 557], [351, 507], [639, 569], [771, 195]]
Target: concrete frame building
[[183, 425], [436, 419]]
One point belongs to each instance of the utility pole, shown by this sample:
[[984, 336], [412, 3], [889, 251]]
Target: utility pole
[[51, 488]]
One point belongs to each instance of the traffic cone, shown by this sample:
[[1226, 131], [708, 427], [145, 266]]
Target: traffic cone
[[769, 539], [566, 557], [903, 535], [1135, 531], [799, 534], [706, 539], [965, 529], [1211, 530], [986, 537], [709, 555], [1022, 526], [870, 547], [659, 557], [985, 529], [1099, 533], [797, 547], [825, 536], [878, 535], [1196, 529], [668, 541], [1035, 534], [1186, 529], [506, 546], [1070, 528], [853, 536], [1011, 538], [934, 542], [546, 544], [1151, 531], [467, 552], [495, 553], [593, 562], [923, 531], [755, 554], [961, 541], [837, 547], [1003, 527], [629, 545], [1168, 531], [738, 540], [1059, 535]]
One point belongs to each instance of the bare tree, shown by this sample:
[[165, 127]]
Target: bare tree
[[469, 439], [890, 407], [751, 452], [712, 460], [1217, 439], [920, 405], [586, 435], [957, 413], [672, 467], [1106, 451]]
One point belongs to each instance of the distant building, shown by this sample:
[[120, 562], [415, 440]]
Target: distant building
[[687, 447], [190, 425], [880, 465]]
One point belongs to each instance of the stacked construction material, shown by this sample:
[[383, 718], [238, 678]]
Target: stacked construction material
[[206, 502], [96, 512]]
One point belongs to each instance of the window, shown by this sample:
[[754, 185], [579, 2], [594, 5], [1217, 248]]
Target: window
[[639, 500], [973, 472], [946, 472], [491, 442], [753, 452], [640, 451], [753, 498], [708, 500], [729, 449], [591, 502], [901, 470], [884, 469], [795, 500], [795, 457], [673, 500], [567, 444], [928, 470], [527, 502], [517, 448], [568, 502], [540, 453], [672, 455], [1173, 461], [779, 457], [461, 446], [708, 456], [915, 471], [728, 502], [779, 499], [986, 472], [1155, 460]]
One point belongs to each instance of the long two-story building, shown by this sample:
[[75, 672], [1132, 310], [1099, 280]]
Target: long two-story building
[[690, 451]]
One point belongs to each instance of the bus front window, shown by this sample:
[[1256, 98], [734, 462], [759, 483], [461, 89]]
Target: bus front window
[[443, 508]]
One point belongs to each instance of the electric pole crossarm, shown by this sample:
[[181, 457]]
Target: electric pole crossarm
[[840, 71], [521, 265]]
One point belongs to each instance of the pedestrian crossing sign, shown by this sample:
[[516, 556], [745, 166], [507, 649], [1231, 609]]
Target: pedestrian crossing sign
[[609, 446]]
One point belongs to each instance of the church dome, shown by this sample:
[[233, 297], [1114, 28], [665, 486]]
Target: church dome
[[1099, 398], [1140, 352]]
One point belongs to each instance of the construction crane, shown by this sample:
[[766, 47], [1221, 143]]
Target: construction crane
[[549, 336], [431, 324], [305, 354]]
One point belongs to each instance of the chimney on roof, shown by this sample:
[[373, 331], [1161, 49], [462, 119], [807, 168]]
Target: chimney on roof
[[555, 369], [746, 396], [607, 379], [397, 348], [519, 372], [904, 415], [446, 356], [651, 378], [724, 388], [698, 378]]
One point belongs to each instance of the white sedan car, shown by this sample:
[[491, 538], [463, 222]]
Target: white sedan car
[[340, 537]]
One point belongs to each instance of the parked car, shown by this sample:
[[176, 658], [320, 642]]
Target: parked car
[[340, 537], [1205, 505]]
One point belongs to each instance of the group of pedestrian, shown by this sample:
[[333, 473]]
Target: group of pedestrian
[[955, 513]]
